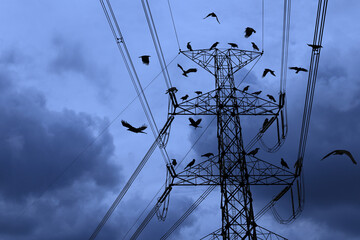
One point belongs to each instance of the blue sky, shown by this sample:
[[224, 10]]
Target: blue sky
[[62, 81]]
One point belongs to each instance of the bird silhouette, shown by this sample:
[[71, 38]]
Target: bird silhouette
[[194, 123], [198, 92], [255, 47], [341, 152], [172, 89], [246, 88], [190, 164], [214, 46], [249, 31], [271, 97], [254, 152], [212, 15], [298, 69], [185, 72], [133, 129], [266, 122], [145, 59], [314, 46], [284, 164], [233, 45], [267, 70], [189, 46], [173, 162], [207, 155], [184, 97], [257, 93]]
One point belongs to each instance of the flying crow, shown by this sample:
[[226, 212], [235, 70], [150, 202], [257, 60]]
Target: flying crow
[[298, 69], [133, 129], [145, 59], [212, 15], [249, 31], [267, 70], [194, 123], [341, 152], [185, 72]]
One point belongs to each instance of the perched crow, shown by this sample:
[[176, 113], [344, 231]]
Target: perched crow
[[145, 59], [341, 152], [284, 164], [254, 152], [189, 46], [172, 89], [207, 155], [173, 162], [198, 92], [271, 97], [233, 45], [214, 46], [190, 164], [257, 93], [249, 31], [212, 15], [315, 46], [298, 69], [246, 88], [194, 123], [185, 72], [255, 47], [267, 70], [133, 129], [266, 122], [184, 97]]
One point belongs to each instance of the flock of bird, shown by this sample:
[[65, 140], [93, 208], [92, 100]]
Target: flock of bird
[[195, 123]]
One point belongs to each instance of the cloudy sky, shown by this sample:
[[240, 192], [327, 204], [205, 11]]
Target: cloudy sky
[[64, 155]]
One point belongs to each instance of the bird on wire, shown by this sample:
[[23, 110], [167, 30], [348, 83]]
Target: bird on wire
[[185, 72], [194, 123], [284, 164], [198, 92], [341, 152], [271, 97], [214, 46], [184, 97], [254, 152], [298, 69], [145, 59], [233, 45], [266, 122], [189, 46], [255, 47], [172, 89], [249, 31], [190, 164], [314, 46], [246, 88], [212, 15], [133, 129], [257, 93], [267, 70], [207, 155], [173, 162]]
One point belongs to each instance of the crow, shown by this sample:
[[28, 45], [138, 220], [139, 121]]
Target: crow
[[257, 93], [184, 97], [173, 162], [189, 46], [266, 122], [255, 47], [212, 15], [133, 129], [198, 92], [267, 70], [214, 46], [246, 88], [172, 89], [190, 164], [315, 46], [187, 71], [145, 59], [207, 155], [284, 164], [341, 152], [194, 123], [249, 31], [254, 152], [233, 45], [271, 97], [298, 69]]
